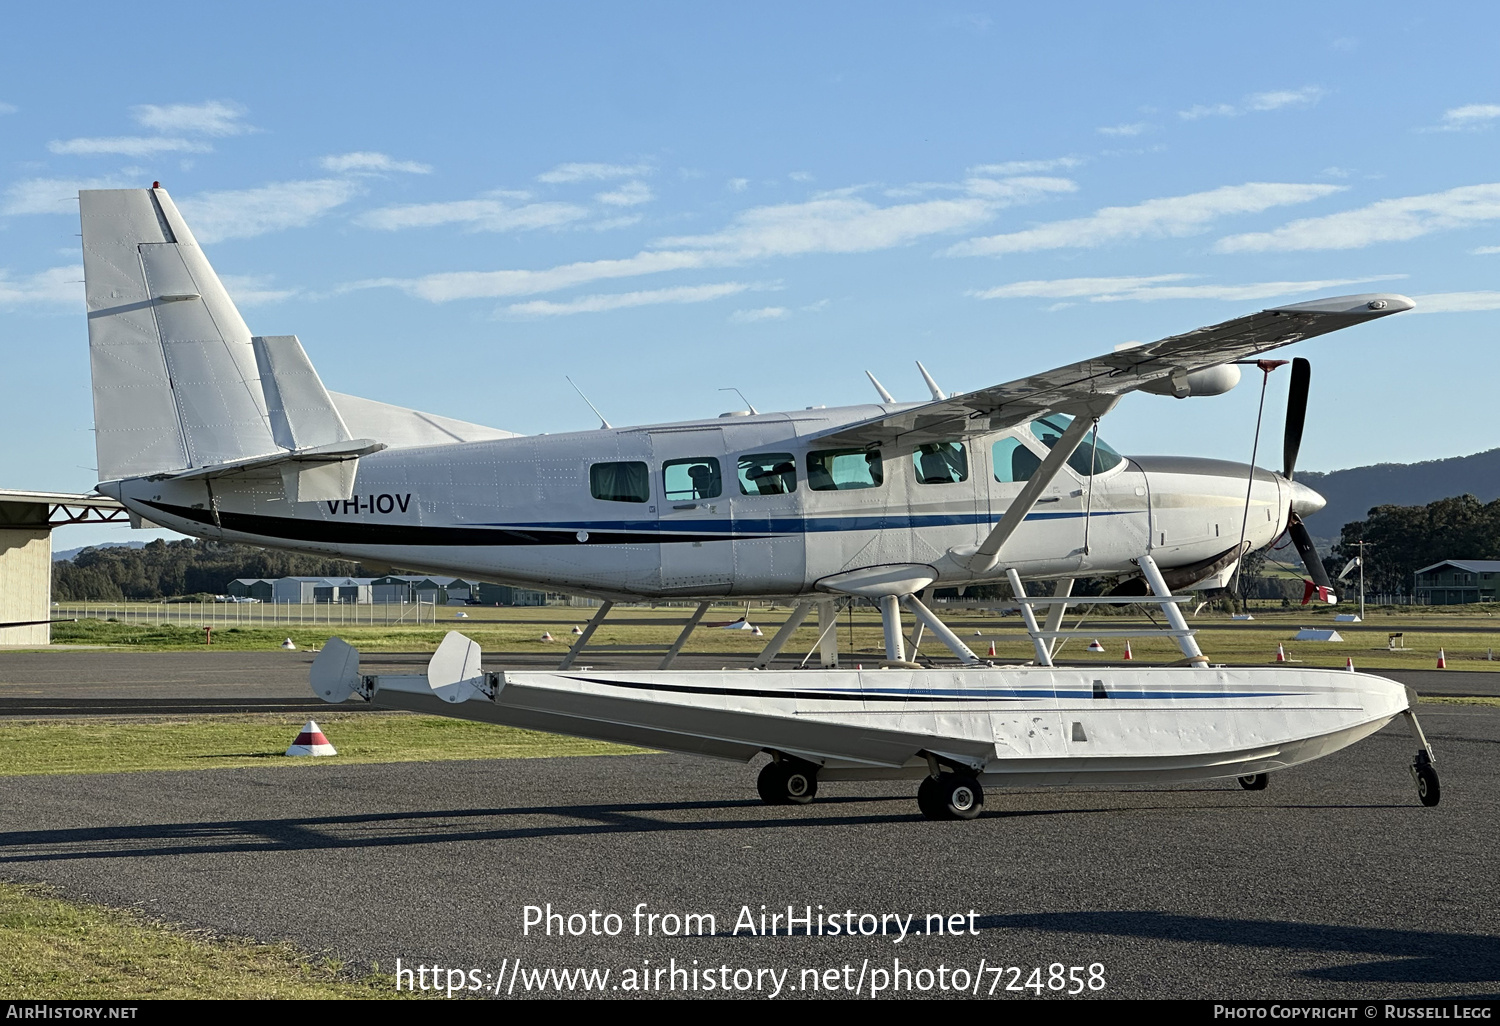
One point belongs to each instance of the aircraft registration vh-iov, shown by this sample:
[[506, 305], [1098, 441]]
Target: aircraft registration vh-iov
[[208, 430]]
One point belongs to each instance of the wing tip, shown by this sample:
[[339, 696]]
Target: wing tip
[[1372, 304]]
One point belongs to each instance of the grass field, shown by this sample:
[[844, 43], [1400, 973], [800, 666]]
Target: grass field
[[1467, 635], [112, 745], [59, 950]]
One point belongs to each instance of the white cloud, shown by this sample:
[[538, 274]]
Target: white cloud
[[244, 213], [1274, 100], [52, 195], [1026, 167], [737, 184], [55, 286], [374, 162], [127, 146], [628, 195], [593, 172], [1392, 220], [1456, 302], [213, 117], [254, 289], [1161, 286], [1125, 130], [1484, 251], [1469, 118], [479, 215], [765, 313], [1172, 216], [838, 223], [800, 176], [8, 108], [617, 301]]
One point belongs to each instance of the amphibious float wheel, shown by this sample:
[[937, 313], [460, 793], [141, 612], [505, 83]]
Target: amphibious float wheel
[[1255, 781], [927, 799], [1428, 788], [787, 782], [959, 796]]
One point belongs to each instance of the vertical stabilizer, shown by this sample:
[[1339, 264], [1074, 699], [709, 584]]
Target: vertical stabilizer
[[176, 382]]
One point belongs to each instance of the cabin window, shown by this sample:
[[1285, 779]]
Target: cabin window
[[1092, 456], [620, 482], [1013, 461], [685, 480], [837, 470], [768, 473], [941, 463]]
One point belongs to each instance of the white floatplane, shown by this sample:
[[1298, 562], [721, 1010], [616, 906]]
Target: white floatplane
[[206, 429]]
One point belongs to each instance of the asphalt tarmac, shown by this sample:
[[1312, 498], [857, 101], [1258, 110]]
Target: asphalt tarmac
[[1332, 883]]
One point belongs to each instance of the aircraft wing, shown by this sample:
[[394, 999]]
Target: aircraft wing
[[1092, 384]]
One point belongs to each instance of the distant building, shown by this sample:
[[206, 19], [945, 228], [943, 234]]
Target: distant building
[[1456, 581], [393, 588]]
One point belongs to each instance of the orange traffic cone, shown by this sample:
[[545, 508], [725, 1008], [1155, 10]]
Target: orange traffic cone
[[1127, 651], [1349, 664], [992, 648], [1442, 660], [1280, 653]]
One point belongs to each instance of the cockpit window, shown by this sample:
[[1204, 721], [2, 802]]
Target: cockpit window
[[1013, 461], [620, 482], [685, 480], [768, 473], [941, 463], [1093, 455], [830, 470]]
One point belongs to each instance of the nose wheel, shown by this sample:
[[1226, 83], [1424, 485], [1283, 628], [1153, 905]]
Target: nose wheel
[[1424, 775], [950, 796]]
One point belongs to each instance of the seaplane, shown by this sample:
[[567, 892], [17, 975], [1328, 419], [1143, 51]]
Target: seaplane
[[208, 430]]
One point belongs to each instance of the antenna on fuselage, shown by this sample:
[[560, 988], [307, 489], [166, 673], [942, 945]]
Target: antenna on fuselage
[[603, 424], [932, 386], [885, 396], [748, 406]]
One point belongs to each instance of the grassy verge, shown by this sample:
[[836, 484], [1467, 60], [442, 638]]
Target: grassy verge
[[110, 745], [52, 949]]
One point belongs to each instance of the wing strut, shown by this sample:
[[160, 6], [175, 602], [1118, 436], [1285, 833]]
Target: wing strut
[[987, 555]]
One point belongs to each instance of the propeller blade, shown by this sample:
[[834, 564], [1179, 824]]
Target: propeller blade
[[1297, 531], [1296, 415]]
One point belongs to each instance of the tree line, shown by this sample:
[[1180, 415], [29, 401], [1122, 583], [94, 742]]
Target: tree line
[[163, 569], [1400, 540]]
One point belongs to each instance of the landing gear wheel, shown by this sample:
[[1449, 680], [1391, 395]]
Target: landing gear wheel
[[1428, 788], [950, 796], [927, 799], [787, 782], [1255, 781]]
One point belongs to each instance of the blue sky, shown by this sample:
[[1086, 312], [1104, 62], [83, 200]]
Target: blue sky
[[454, 206]]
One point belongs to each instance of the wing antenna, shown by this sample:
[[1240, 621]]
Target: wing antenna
[[885, 396]]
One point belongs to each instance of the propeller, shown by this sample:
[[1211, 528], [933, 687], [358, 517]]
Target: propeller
[[1296, 417]]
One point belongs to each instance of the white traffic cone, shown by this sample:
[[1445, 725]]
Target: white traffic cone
[[311, 742], [758, 633], [577, 629], [288, 645], [546, 635], [1280, 653], [1094, 646], [1442, 660]]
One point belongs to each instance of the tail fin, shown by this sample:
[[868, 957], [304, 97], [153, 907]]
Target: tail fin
[[179, 382]]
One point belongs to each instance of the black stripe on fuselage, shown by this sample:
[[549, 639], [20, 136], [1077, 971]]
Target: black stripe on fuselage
[[359, 533]]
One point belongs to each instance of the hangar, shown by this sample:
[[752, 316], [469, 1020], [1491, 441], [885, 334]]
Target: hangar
[[26, 523]]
